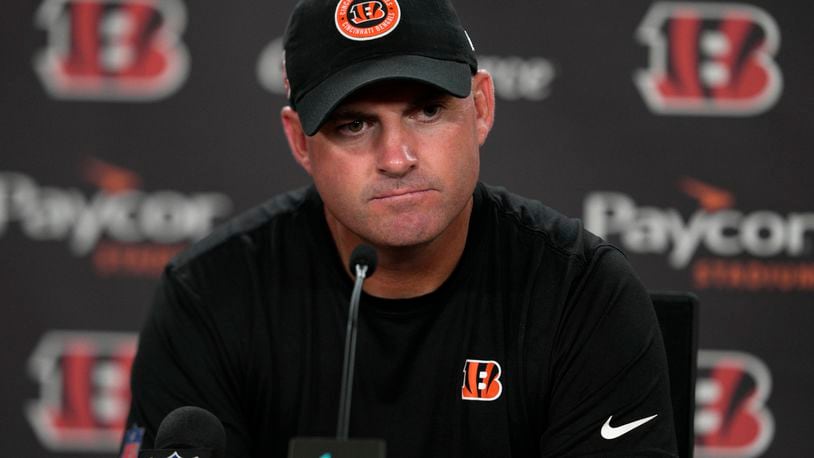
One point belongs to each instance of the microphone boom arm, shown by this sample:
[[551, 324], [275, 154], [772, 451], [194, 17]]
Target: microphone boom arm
[[350, 354]]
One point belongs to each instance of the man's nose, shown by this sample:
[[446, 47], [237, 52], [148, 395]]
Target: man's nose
[[397, 155]]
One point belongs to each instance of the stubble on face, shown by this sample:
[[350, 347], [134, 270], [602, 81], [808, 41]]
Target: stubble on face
[[406, 209], [399, 213]]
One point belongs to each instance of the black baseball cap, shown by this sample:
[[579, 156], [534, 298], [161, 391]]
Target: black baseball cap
[[335, 47]]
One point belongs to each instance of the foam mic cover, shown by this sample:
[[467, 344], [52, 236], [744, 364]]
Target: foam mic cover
[[364, 255], [191, 427]]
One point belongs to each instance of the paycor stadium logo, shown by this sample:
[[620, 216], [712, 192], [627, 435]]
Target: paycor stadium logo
[[125, 230], [723, 247]]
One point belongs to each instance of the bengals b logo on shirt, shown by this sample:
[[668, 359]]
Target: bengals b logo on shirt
[[481, 380]]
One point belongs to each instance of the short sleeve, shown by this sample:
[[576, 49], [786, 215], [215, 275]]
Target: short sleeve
[[609, 391], [182, 359]]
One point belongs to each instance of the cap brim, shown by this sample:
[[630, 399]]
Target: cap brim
[[315, 106]]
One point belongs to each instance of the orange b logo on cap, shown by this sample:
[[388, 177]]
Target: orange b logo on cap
[[366, 12], [366, 19]]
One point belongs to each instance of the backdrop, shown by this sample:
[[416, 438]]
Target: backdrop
[[680, 131]]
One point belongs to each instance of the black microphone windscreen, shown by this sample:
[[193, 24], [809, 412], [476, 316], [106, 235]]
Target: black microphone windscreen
[[191, 427], [364, 255]]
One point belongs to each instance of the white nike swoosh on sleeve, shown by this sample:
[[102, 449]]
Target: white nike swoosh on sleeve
[[610, 432]]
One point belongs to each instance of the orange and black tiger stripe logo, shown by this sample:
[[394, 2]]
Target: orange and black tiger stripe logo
[[366, 19], [481, 380], [366, 12]]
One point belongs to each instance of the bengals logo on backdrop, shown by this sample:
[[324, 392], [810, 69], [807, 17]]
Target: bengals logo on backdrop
[[366, 19], [481, 380], [84, 380], [709, 59], [731, 417], [112, 49]]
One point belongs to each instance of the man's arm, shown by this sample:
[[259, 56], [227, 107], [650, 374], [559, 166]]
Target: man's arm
[[609, 391], [182, 359]]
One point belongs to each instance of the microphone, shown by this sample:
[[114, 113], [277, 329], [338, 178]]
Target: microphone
[[363, 257], [188, 432], [362, 263]]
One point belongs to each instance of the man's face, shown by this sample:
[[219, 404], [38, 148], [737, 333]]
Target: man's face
[[396, 163]]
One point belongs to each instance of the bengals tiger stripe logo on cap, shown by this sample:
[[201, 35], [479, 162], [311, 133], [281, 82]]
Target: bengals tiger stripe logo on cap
[[366, 19]]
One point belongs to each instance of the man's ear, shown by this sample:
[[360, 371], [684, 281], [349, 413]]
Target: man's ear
[[296, 137], [483, 94]]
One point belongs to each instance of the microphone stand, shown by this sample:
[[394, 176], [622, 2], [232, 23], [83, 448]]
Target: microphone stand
[[350, 355], [363, 263]]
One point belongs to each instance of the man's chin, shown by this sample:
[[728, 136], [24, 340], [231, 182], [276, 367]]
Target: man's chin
[[403, 236], [401, 242]]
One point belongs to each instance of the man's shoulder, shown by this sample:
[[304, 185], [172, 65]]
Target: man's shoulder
[[542, 224], [245, 231]]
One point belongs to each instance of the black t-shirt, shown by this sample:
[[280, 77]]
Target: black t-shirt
[[539, 336]]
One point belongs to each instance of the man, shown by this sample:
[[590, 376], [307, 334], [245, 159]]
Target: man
[[493, 326]]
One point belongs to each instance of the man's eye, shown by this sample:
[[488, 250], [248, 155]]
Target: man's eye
[[431, 111], [354, 126]]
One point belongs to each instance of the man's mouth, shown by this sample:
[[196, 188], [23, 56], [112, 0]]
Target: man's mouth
[[399, 194]]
